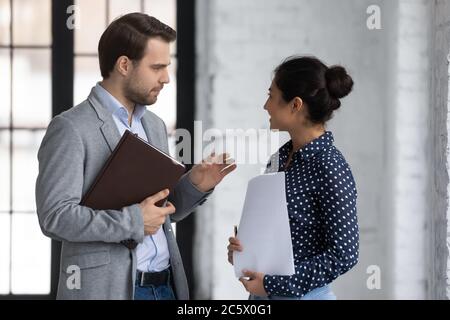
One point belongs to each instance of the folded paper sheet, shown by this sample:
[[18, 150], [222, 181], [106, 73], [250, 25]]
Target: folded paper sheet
[[264, 230]]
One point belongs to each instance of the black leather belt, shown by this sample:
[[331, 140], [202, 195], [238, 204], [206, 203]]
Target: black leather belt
[[146, 279]]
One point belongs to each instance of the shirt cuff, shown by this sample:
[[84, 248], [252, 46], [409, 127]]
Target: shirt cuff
[[266, 285]]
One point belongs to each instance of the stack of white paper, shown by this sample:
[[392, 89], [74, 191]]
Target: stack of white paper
[[264, 230]]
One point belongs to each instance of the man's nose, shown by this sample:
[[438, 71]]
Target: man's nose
[[165, 78]]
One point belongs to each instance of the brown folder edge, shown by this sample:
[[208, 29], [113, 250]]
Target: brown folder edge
[[105, 166], [161, 151]]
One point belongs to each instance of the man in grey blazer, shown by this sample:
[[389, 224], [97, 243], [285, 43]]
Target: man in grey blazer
[[129, 253]]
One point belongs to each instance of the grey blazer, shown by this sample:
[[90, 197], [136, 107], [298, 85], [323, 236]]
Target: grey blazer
[[75, 147]]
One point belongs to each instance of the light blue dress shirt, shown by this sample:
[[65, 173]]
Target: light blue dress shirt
[[153, 252]]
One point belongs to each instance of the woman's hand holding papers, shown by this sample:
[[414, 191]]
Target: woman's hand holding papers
[[252, 281], [234, 245], [255, 283]]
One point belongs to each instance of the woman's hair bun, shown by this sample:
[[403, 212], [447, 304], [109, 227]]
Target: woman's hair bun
[[339, 83]]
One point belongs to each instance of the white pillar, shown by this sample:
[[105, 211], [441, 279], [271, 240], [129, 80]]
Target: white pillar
[[411, 136]]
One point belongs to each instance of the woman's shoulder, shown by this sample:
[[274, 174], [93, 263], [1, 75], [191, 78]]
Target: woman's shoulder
[[331, 157]]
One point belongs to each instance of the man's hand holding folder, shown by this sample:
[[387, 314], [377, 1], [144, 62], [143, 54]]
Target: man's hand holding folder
[[153, 215]]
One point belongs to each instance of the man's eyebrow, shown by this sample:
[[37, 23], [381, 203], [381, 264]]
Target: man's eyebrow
[[161, 65]]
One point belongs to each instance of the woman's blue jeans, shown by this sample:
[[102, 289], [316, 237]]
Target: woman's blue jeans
[[323, 293]]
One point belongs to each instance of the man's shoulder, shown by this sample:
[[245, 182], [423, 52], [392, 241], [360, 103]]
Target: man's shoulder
[[79, 113], [82, 116]]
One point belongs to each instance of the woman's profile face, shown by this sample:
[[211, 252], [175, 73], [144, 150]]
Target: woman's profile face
[[279, 112]]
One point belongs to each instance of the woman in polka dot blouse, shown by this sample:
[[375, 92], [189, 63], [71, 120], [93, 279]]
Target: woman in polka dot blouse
[[320, 189]]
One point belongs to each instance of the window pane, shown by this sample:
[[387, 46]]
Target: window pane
[[31, 256], [4, 253], [120, 7], [92, 15], [4, 171], [87, 74], [31, 22], [31, 88], [166, 107], [5, 20], [5, 88], [165, 11], [25, 168]]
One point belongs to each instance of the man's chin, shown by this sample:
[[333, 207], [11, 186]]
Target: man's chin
[[152, 98], [147, 102], [152, 101]]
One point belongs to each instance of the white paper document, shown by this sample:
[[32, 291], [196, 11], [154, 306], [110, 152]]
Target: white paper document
[[264, 230]]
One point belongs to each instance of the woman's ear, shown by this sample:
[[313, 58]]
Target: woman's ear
[[297, 104]]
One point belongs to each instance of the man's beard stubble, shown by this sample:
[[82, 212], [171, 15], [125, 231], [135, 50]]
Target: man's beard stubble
[[137, 95]]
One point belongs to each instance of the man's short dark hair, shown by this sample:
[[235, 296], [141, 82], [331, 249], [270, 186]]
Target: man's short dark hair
[[128, 36]]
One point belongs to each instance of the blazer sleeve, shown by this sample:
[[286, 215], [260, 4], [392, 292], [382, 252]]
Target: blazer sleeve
[[186, 197], [59, 190]]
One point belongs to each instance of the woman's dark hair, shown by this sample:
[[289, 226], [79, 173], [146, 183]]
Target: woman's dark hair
[[128, 36], [319, 86]]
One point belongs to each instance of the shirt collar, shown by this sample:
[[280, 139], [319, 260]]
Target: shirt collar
[[113, 105], [317, 145]]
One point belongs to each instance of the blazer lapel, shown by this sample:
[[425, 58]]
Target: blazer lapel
[[107, 126], [153, 135], [111, 134]]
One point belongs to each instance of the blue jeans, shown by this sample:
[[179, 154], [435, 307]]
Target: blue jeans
[[162, 292], [322, 293]]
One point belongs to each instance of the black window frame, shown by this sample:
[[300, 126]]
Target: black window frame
[[186, 90]]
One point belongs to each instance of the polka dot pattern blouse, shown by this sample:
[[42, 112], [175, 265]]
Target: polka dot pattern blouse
[[321, 196]]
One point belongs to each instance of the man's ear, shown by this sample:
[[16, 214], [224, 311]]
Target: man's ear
[[123, 65], [296, 104]]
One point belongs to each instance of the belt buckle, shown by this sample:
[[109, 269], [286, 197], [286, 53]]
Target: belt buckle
[[141, 282]]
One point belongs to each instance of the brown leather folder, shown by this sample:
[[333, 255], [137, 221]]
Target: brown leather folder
[[134, 171]]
